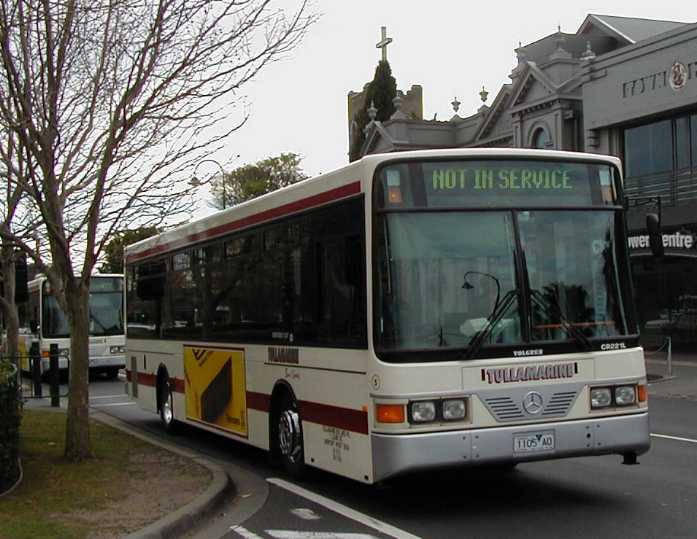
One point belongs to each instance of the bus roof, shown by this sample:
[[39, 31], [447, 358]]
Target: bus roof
[[39, 278], [345, 182]]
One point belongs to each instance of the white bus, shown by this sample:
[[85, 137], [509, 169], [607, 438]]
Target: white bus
[[43, 320], [408, 311]]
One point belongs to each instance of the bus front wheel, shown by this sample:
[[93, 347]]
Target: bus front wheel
[[289, 437]]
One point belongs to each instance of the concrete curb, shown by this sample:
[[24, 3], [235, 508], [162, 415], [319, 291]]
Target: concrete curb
[[190, 515]]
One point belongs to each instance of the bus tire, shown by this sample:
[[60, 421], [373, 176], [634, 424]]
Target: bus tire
[[289, 437], [166, 406]]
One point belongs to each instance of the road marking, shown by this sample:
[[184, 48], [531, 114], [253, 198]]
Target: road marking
[[305, 514], [288, 534], [114, 404], [341, 509], [677, 438], [244, 532], [119, 396]]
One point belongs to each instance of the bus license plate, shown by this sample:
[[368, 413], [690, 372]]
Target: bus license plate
[[533, 441]]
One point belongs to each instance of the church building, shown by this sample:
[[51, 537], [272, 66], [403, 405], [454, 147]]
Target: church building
[[620, 86]]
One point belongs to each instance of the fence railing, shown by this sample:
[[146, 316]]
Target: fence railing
[[37, 374]]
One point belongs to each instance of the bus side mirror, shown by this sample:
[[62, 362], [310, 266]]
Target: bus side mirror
[[653, 225]]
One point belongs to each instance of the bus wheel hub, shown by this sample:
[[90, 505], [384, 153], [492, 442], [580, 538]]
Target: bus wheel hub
[[289, 433]]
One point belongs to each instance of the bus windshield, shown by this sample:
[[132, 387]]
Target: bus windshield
[[106, 310], [464, 257]]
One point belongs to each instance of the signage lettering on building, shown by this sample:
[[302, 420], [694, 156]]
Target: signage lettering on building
[[675, 77], [676, 240]]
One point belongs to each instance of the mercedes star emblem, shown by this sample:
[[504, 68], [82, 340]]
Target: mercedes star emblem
[[532, 402]]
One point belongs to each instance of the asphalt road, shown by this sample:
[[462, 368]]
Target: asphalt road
[[572, 498]]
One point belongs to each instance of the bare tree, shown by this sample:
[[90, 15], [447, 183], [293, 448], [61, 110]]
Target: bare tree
[[115, 102], [15, 221]]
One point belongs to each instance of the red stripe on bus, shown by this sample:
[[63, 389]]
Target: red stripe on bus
[[177, 384], [259, 401], [285, 209], [315, 412], [150, 380], [147, 379], [334, 416]]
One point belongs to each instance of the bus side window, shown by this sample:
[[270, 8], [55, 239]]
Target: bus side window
[[145, 291], [341, 278]]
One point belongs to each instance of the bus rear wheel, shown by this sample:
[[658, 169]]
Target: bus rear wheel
[[289, 438]]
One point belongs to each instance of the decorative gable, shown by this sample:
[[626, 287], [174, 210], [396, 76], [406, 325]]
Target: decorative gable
[[496, 119], [532, 80]]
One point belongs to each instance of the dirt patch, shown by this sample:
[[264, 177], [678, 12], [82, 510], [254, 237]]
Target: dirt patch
[[158, 483]]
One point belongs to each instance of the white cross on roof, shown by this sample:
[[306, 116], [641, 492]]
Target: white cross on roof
[[384, 42]]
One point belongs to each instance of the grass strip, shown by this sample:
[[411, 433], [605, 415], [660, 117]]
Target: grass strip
[[60, 499]]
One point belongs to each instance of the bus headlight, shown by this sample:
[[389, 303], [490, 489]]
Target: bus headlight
[[117, 349], [625, 395], [454, 409], [601, 397], [422, 411]]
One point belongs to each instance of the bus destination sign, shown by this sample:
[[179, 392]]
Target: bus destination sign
[[503, 178], [509, 183]]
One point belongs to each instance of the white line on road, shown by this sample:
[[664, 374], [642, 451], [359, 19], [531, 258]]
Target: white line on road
[[677, 438], [119, 396], [305, 513], [288, 534], [341, 509], [244, 532]]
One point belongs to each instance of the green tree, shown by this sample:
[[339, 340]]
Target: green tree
[[250, 181], [380, 92], [113, 251]]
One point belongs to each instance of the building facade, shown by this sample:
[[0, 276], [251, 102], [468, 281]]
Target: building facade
[[620, 86]]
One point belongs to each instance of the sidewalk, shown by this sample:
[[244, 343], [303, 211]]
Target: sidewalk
[[681, 383]]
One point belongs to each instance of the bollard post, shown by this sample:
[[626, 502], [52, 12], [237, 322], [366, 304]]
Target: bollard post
[[54, 376], [35, 362], [669, 366]]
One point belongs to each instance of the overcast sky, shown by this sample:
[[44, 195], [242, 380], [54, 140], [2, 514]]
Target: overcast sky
[[451, 48]]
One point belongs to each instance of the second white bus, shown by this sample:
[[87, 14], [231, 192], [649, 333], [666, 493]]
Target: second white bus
[[43, 320]]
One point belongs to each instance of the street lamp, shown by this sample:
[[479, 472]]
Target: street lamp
[[195, 182]]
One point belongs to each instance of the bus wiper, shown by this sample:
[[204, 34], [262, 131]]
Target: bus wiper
[[572, 330], [95, 319], [500, 309]]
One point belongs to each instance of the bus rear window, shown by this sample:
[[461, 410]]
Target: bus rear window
[[495, 183]]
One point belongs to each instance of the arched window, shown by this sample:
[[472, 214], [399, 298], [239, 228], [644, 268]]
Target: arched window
[[541, 140]]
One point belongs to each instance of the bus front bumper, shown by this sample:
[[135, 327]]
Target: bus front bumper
[[398, 453], [103, 362]]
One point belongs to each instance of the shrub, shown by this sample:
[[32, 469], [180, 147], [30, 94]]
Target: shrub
[[10, 416]]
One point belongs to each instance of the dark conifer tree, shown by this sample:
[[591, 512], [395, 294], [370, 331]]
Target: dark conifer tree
[[380, 92]]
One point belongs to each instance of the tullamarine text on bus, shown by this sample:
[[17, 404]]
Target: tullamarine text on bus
[[504, 375]]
